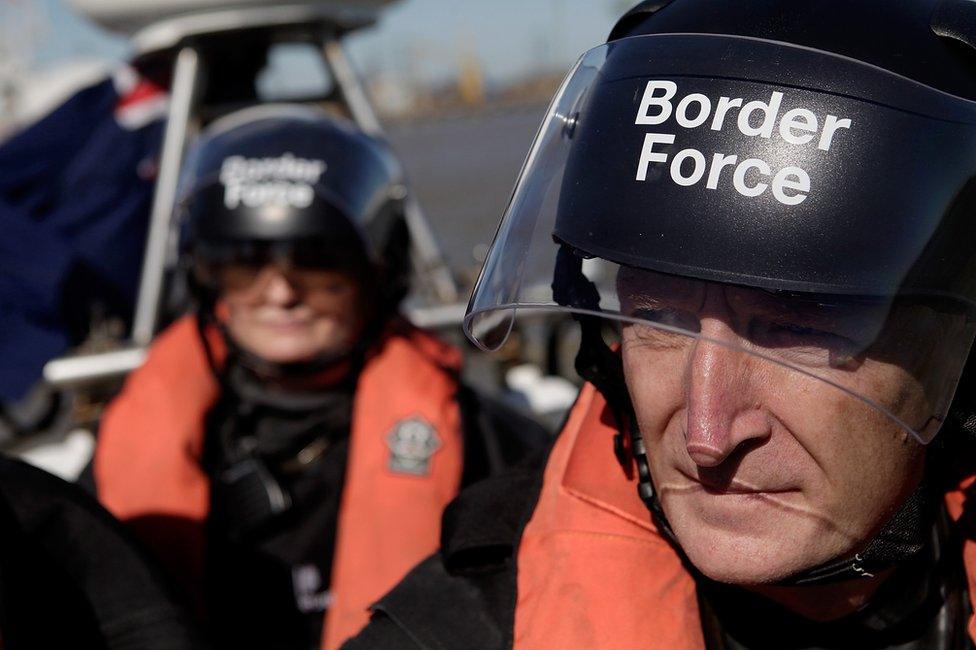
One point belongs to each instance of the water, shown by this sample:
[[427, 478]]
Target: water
[[463, 170]]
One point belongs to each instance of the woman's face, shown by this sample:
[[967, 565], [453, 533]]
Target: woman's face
[[286, 315]]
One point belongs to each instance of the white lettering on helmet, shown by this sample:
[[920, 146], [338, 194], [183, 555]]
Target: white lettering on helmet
[[698, 170], [757, 118], [648, 155], [261, 182], [651, 100]]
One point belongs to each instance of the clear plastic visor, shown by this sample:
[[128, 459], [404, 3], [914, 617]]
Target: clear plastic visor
[[895, 359]]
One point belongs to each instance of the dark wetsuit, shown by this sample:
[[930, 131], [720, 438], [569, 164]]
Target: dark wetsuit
[[268, 568]]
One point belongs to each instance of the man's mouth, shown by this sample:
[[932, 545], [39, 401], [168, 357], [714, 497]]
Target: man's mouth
[[738, 489], [715, 485]]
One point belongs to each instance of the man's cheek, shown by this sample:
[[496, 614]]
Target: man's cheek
[[650, 406]]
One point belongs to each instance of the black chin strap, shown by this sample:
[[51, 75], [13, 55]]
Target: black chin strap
[[902, 538], [602, 367], [599, 365]]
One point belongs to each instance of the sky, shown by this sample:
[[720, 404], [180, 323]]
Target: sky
[[422, 38]]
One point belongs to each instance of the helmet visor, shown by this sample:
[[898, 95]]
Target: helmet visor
[[805, 211]]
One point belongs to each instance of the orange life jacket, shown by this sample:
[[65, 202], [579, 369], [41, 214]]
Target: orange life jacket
[[590, 552], [148, 463]]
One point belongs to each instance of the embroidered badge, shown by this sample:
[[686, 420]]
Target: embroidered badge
[[412, 443]]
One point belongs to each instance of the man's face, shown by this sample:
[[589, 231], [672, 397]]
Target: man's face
[[762, 469], [286, 315]]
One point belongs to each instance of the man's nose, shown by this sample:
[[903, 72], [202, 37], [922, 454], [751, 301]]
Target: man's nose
[[724, 407]]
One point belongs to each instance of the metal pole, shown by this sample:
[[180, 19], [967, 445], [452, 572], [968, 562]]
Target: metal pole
[[153, 265], [427, 253], [352, 90], [90, 369]]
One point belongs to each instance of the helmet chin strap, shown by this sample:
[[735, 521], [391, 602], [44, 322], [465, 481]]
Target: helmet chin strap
[[903, 537]]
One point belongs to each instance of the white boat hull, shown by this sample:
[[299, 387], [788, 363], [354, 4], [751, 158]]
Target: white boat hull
[[129, 16]]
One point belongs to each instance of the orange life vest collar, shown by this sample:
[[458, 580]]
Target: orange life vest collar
[[390, 518], [148, 468], [590, 553]]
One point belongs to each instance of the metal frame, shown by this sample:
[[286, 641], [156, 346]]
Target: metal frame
[[182, 95], [181, 33]]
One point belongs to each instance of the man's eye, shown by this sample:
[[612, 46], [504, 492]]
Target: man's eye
[[783, 335], [669, 318], [799, 330], [787, 331]]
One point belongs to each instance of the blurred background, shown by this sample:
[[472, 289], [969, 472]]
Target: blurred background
[[460, 86], [91, 101]]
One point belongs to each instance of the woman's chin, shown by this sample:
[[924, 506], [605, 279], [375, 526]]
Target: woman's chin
[[286, 350], [295, 347]]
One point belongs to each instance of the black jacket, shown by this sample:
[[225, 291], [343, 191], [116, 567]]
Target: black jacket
[[253, 596], [70, 575], [464, 596]]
